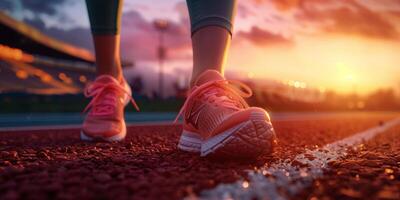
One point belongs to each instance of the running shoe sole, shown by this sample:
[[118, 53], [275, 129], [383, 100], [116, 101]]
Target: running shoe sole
[[115, 138], [190, 142], [247, 139]]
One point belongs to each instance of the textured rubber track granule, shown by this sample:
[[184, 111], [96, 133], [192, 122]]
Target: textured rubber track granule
[[370, 171], [146, 165]]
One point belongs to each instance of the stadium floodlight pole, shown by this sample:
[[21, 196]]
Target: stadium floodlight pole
[[161, 25]]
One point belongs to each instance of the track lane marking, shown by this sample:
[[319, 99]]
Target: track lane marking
[[74, 121], [268, 182]]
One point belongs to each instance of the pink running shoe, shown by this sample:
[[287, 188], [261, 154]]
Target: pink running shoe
[[217, 120], [105, 120]]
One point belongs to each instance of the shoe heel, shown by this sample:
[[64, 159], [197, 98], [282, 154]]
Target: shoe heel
[[190, 142]]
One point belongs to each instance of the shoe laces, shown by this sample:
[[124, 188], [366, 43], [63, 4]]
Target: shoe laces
[[104, 97], [220, 93]]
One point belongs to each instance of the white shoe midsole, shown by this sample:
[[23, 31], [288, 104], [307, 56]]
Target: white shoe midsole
[[209, 145], [192, 142]]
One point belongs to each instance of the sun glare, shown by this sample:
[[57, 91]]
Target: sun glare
[[341, 64], [345, 73]]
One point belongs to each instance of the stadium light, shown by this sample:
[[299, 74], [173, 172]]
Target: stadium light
[[161, 25]]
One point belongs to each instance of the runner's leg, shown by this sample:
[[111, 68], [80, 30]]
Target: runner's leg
[[109, 93], [211, 27], [105, 18]]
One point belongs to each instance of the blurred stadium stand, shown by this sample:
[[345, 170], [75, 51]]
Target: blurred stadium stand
[[31, 62]]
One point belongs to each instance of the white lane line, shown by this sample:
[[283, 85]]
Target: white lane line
[[285, 179]]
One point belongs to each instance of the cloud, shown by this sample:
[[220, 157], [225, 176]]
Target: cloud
[[76, 36], [348, 17], [37, 6], [365, 18], [5, 5], [43, 6], [243, 11], [261, 37], [139, 38], [286, 4]]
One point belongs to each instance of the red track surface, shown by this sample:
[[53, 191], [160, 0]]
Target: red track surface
[[371, 172], [147, 165]]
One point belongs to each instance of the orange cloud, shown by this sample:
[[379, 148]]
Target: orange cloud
[[350, 18], [263, 37], [354, 17], [286, 4]]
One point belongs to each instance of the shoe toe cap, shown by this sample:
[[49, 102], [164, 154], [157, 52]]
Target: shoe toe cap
[[256, 113]]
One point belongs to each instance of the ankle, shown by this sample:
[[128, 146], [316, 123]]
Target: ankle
[[117, 76], [196, 74]]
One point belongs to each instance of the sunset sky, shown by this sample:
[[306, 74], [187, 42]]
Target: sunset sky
[[345, 45]]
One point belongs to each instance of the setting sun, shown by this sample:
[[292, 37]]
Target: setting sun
[[343, 64]]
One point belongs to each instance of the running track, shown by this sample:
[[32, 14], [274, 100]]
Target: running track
[[318, 156]]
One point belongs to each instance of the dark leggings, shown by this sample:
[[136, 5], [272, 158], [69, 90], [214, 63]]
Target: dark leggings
[[105, 15]]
